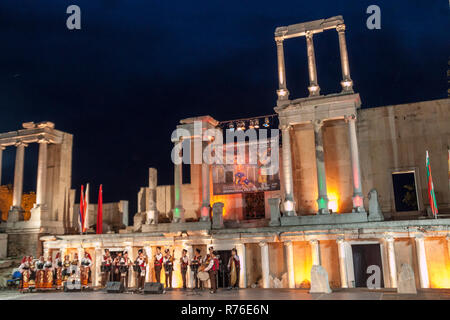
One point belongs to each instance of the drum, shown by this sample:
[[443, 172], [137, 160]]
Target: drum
[[123, 269], [203, 275]]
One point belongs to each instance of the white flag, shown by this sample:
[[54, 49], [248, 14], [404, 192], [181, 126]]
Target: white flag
[[86, 200]]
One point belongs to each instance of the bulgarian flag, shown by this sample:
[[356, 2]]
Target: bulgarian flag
[[86, 208], [431, 195], [81, 212], [100, 211]]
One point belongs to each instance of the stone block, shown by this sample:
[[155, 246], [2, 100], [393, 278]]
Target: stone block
[[406, 280], [218, 215], [375, 213], [3, 245], [275, 215], [319, 280]]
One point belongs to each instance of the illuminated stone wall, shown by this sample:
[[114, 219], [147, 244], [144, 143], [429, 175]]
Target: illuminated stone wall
[[330, 261], [438, 262], [6, 195], [302, 264]]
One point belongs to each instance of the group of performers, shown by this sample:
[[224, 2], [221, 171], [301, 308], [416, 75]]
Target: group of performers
[[41, 274], [203, 268]]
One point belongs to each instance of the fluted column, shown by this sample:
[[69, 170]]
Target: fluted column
[[42, 173], [358, 199], [288, 204], [342, 263], [131, 275], [1, 162], [265, 264], [322, 199], [206, 204], [240, 248], [315, 252], [190, 274], [346, 83], [290, 263], [96, 278], [314, 89], [18, 176], [178, 211], [148, 253], [391, 258], [282, 92], [422, 261]]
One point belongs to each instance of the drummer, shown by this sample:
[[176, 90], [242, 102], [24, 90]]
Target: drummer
[[124, 265], [212, 268], [195, 265], [106, 267]]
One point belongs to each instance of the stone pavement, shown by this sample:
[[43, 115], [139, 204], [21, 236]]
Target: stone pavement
[[242, 294]]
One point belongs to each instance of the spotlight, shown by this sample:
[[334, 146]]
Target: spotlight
[[266, 123]]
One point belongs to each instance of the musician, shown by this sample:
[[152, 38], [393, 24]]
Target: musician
[[124, 264], [57, 267], [184, 263], [31, 262], [234, 268], [74, 264], [206, 258], [115, 267], [106, 267], [24, 269], [48, 273], [168, 268], [141, 266], [66, 267], [86, 264], [158, 262], [212, 268], [39, 266], [195, 264]]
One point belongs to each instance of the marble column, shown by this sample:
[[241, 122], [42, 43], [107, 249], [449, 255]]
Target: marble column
[[131, 274], [322, 199], [240, 248], [422, 261], [206, 204], [18, 176], [1, 164], [314, 89], [342, 263], [152, 214], [178, 211], [288, 205], [315, 252], [80, 256], [148, 275], [282, 92], [190, 274], [346, 83], [42, 173], [448, 244], [97, 276], [265, 264], [290, 263], [390, 241], [358, 199]]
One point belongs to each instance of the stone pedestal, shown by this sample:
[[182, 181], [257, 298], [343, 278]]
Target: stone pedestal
[[290, 263], [265, 266], [319, 280], [375, 213], [217, 215], [275, 215], [152, 213], [406, 280]]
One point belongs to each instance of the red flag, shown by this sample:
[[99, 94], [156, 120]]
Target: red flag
[[100, 211]]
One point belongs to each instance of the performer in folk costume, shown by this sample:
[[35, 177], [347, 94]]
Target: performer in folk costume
[[195, 265], [234, 269], [184, 263], [212, 268], [66, 267], [86, 264], [24, 269], [31, 262], [74, 264], [115, 267], [141, 268], [58, 267], [48, 273], [158, 262], [124, 264], [206, 258], [40, 273], [106, 267], [168, 268]]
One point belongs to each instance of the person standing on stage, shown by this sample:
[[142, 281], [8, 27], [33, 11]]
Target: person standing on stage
[[212, 268], [158, 262], [124, 265], [210, 251], [86, 264], [115, 267], [24, 269], [106, 267], [48, 273], [74, 264], [141, 264], [195, 264], [66, 267], [57, 266], [40, 273], [184, 263], [168, 268], [234, 269]]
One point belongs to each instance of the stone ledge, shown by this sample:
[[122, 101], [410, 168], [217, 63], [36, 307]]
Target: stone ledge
[[333, 218], [177, 227]]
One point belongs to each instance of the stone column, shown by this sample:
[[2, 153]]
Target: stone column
[[314, 89], [206, 204], [342, 263], [315, 252], [346, 83], [290, 263], [282, 92], [42, 173], [358, 203], [80, 256], [131, 274], [448, 244], [148, 252], [190, 274], [18, 176], [152, 214], [422, 261], [178, 211], [322, 199], [391, 258], [265, 264], [1, 158], [97, 277], [240, 248], [288, 204]]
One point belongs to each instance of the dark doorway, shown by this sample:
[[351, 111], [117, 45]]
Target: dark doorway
[[365, 255], [254, 206], [405, 193], [222, 276]]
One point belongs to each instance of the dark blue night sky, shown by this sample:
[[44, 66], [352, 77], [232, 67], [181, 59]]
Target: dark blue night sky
[[122, 82]]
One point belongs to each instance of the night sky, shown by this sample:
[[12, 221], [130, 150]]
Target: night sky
[[122, 82]]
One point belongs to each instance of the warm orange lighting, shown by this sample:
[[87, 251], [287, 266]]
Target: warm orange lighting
[[333, 201]]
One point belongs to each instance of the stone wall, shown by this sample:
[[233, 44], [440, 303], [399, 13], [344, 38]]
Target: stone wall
[[6, 195], [3, 245], [302, 264], [438, 260], [24, 244], [113, 215], [253, 261]]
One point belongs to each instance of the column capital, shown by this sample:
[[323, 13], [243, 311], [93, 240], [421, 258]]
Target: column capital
[[309, 34], [314, 241], [2, 147], [285, 127], [42, 139], [340, 27], [262, 244], [350, 117], [447, 237], [20, 143], [389, 238], [279, 41], [340, 240], [288, 243], [317, 123], [419, 236]]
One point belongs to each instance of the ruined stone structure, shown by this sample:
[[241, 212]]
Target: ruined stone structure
[[337, 207]]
